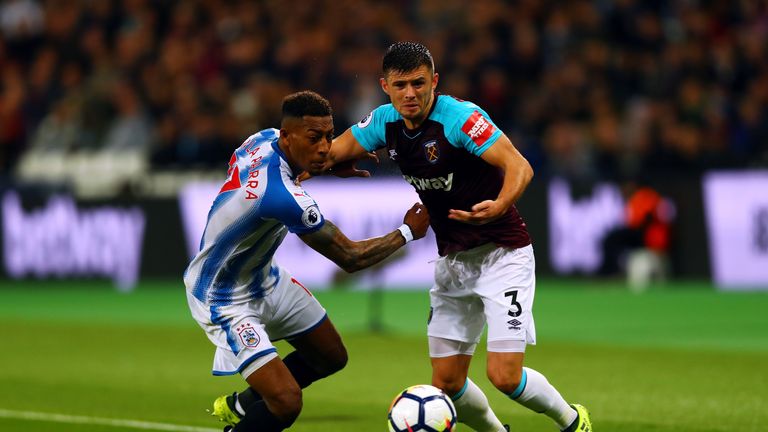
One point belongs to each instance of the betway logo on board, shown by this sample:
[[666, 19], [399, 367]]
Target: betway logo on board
[[62, 240], [437, 183]]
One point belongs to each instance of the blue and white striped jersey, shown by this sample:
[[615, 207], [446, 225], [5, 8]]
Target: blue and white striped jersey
[[256, 207]]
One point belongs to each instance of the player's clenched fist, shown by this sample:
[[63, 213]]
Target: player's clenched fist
[[417, 219]]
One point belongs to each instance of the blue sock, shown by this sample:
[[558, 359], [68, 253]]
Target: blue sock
[[461, 392], [519, 390]]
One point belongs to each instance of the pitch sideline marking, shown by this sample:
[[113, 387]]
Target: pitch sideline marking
[[134, 424]]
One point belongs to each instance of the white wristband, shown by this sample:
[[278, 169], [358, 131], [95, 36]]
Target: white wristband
[[405, 230]]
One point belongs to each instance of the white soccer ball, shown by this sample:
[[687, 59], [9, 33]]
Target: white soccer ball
[[422, 408]]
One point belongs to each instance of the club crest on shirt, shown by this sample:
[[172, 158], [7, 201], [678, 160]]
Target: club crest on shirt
[[431, 151], [248, 335]]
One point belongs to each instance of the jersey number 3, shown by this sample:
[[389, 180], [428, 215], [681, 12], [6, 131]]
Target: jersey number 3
[[517, 308]]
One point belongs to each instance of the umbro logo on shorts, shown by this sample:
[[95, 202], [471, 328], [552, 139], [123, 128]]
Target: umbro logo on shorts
[[514, 324]]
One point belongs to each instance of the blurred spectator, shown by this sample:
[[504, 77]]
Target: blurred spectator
[[60, 129], [21, 24], [12, 126], [130, 129], [589, 89], [21, 19], [640, 247]]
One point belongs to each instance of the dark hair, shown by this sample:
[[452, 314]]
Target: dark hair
[[406, 56], [306, 103]]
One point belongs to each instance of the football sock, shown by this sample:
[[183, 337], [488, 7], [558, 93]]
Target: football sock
[[537, 394], [260, 418], [473, 410], [302, 372], [239, 408], [573, 426]]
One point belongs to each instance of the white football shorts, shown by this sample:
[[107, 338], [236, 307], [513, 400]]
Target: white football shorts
[[487, 285], [243, 333]]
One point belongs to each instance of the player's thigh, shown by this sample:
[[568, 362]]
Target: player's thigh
[[505, 370], [295, 311], [238, 332], [507, 287], [322, 347], [456, 313]]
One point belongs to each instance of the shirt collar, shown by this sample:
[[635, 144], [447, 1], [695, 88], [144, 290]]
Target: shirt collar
[[276, 148]]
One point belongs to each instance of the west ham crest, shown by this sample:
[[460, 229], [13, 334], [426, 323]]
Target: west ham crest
[[248, 335], [431, 151]]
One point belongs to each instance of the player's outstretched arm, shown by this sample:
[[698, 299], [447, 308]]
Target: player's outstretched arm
[[343, 157], [517, 174], [357, 255], [345, 153], [345, 147]]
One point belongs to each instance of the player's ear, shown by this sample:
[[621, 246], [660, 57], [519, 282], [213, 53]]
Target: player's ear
[[285, 136], [384, 85], [287, 126], [435, 78]]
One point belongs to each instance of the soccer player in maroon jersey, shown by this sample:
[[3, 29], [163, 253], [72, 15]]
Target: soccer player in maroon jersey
[[468, 175]]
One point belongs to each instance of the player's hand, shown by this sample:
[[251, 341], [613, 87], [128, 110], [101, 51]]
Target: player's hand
[[417, 219], [480, 214], [343, 169], [348, 169]]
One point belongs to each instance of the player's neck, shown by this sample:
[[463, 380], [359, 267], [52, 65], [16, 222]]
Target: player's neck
[[286, 154], [413, 124]]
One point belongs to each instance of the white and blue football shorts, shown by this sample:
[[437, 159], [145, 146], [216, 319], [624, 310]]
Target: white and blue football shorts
[[243, 333], [487, 285]]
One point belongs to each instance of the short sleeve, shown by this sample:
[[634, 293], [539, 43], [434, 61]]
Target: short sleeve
[[305, 220], [370, 132], [293, 207]]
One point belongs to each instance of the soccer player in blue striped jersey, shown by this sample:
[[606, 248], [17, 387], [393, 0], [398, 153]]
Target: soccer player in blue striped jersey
[[468, 175], [244, 300]]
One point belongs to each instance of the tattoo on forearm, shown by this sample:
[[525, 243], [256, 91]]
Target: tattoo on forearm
[[376, 249], [352, 255]]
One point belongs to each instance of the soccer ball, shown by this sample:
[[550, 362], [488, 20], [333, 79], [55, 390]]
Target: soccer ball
[[422, 408]]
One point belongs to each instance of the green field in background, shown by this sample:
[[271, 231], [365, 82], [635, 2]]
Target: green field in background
[[677, 358]]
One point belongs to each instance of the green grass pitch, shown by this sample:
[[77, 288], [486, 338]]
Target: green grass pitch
[[79, 356]]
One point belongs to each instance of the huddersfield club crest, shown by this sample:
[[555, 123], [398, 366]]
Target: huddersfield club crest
[[431, 151], [248, 335]]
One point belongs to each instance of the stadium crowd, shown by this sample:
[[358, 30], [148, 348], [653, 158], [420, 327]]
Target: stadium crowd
[[588, 89]]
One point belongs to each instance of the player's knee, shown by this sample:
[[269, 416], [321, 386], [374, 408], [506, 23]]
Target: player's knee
[[333, 362], [506, 381], [450, 385], [286, 404], [338, 361]]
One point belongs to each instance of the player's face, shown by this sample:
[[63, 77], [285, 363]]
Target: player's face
[[411, 93], [308, 141]]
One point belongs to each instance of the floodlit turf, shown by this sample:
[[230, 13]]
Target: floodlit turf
[[675, 359]]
